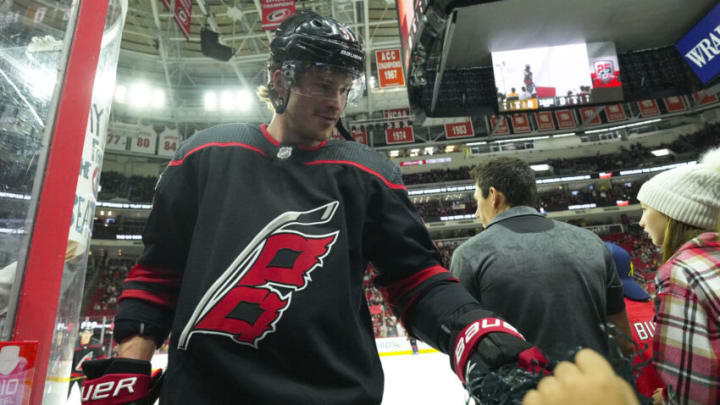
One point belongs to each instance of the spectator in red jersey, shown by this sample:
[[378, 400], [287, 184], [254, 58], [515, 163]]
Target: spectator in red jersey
[[640, 313], [680, 213]]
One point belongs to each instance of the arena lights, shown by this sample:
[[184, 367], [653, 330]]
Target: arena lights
[[158, 98], [394, 153], [660, 152], [450, 149], [635, 124], [140, 95], [563, 135], [120, 93], [228, 100], [541, 167]]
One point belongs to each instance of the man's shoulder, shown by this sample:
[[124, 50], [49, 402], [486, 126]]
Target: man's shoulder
[[224, 133], [577, 231], [361, 156]]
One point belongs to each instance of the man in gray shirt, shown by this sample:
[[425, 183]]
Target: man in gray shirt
[[554, 281]]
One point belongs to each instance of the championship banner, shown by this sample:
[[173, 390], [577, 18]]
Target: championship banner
[[520, 123], [590, 116], [274, 12], [399, 135], [499, 128], [359, 134], [648, 108], [389, 66], [704, 98], [396, 113], [615, 112], [183, 14], [459, 130], [674, 104], [565, 119], [544, 121]]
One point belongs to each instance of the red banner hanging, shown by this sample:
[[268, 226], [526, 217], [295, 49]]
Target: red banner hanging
[[399, 135], [396, 113], [274, 12], [359, 134], [389, 66], [615, 112], [520, 123], [704, 98], [648, 108], [590, 116], [499, 127], [674, 104], [565, 119], [544, 121], [459, 130], [183, 14]]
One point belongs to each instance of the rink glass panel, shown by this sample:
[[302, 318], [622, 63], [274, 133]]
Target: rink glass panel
[[32, 44], [67, 321]]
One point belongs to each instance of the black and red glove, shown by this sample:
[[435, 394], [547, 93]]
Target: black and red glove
[[486, 344], [119, 381]]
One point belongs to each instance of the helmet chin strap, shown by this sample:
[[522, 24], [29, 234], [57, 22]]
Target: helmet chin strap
[[343, 131]]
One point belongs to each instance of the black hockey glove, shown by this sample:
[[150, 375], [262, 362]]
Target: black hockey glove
[[120, 381], [487, 344]]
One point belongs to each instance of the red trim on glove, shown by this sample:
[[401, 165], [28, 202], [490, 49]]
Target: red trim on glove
[[533, 360], [471, 334], [115, 389]]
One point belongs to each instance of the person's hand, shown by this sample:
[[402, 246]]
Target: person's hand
[[120, 381], [589, 381], [657, 397]]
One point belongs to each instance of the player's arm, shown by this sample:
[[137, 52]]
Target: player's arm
[[431, 303], [146, 305]]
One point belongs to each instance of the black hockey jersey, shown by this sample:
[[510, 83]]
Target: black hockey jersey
[[254, 257]]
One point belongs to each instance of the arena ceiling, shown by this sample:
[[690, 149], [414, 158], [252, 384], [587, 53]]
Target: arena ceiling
[[154, 48], [517, 24]]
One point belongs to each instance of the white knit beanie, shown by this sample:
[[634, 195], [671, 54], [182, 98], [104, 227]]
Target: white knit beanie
[[689, 194]]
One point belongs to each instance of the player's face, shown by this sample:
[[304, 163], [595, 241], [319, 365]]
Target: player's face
[[85, 337], [316, 104], [654, 223]]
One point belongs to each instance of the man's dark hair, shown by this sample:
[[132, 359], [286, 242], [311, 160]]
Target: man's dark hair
[[511, 176]]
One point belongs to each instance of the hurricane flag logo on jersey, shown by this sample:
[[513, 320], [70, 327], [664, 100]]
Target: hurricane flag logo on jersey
[[248, 300]]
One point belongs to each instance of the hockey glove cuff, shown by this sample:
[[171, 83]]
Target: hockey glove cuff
[[120, 381], [486, 344]]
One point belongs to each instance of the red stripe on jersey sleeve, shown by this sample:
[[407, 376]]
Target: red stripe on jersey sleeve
[[215, 144], [159, 298], [402, 287], [394, 186]]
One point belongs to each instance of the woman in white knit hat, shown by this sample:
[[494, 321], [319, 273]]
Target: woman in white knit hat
[[681, 209]]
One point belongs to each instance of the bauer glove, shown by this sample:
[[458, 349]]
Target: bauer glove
[[119, 381]]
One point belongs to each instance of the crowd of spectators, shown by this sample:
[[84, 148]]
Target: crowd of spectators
[[114, 185], [636, 156], [108, 282], [602, 193]]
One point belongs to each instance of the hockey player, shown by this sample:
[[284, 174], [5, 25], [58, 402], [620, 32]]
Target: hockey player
[[255, 252], [85, 350]]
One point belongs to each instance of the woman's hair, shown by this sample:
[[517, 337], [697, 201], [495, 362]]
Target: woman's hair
[[677, 234], [266, 92]]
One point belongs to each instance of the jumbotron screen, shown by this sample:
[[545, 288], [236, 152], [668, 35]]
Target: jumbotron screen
[[556, 76]]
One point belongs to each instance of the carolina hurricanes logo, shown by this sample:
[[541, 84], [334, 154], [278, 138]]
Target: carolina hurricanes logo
[[249, 298], [86, 357]]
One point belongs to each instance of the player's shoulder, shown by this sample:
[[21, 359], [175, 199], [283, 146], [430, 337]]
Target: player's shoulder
[[361, 156], [237, 132]]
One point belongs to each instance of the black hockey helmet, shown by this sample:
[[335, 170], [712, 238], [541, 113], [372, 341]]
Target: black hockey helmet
[[307, 40], [309, 37]]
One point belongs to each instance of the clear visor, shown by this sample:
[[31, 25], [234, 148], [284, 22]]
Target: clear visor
[[329, 82]]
